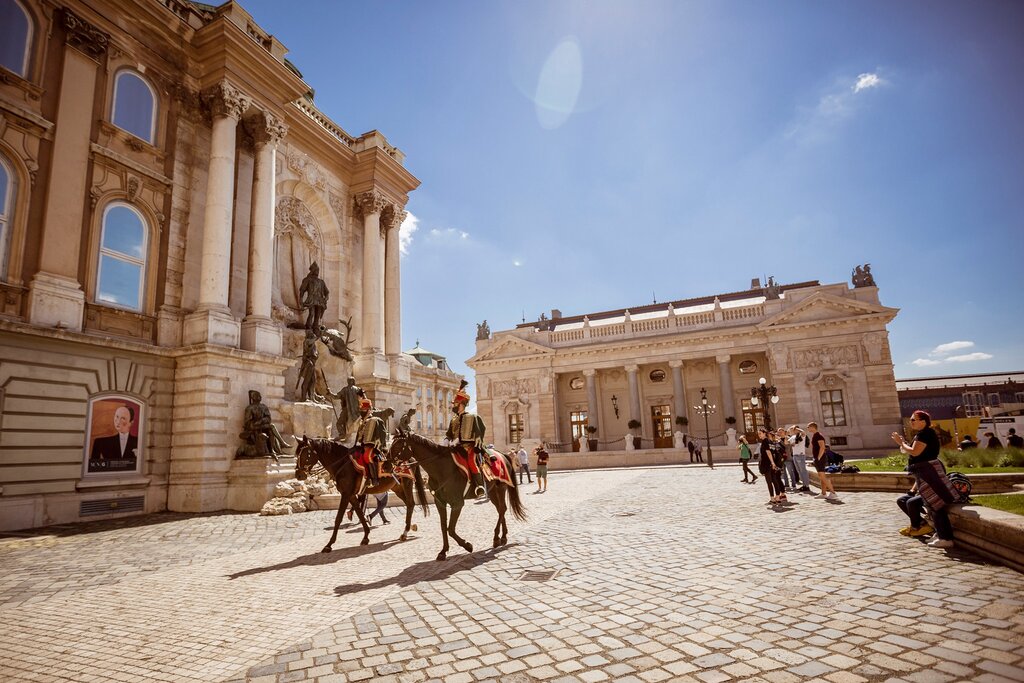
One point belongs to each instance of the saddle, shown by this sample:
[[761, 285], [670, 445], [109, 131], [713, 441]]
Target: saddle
[[494, 467]]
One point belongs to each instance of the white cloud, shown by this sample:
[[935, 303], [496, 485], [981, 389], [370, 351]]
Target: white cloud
[[405, 232], [950, 347], [968, 357], [923, 362], [865, 81]]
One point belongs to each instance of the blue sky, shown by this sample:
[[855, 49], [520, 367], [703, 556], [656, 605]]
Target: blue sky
[[593, 155]]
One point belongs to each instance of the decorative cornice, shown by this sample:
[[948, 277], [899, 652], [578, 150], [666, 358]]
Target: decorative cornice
[[225, 99], [367, 203], [266, 128], [83, 36]]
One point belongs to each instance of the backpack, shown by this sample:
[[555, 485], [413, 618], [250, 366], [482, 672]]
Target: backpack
[[833, 458], [832, 469], [962, 486], [849, 469]]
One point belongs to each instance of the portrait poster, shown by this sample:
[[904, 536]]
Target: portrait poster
[[112, 441]]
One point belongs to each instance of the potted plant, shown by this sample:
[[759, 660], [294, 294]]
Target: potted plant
[[730, 420], [682, 421], [635, 425], [591, 438]]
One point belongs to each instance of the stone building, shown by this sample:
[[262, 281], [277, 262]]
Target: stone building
[[166, 179], [435, 384], [824, 347]]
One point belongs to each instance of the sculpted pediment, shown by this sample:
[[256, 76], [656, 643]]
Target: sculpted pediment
[[511, 347], [825, 307]]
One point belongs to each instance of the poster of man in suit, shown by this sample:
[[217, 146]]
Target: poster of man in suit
[[114, 436]]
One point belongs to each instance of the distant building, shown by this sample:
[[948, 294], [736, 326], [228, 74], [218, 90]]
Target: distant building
[[435, 386], [825, 348], [966, 404]]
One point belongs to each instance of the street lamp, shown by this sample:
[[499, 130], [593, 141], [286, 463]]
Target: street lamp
[[706, 409], [615, 406], [762, 395]]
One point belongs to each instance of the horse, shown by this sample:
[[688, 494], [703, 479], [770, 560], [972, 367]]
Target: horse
[[335, 458], [448, 482]]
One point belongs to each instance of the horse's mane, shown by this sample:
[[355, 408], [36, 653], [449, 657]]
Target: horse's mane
[[426, 443]]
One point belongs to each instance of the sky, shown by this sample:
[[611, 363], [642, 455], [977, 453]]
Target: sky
[[601, 154]]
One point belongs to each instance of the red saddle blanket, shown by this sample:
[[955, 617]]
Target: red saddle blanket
[[401, 470], [494, 468]]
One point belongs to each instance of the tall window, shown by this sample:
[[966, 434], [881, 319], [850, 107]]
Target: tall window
[[994, 400], [974, 403], [6, 209], [833, 411], [578, 421], [15, 37], [753, 419], [515, 428], [122, 265], [430, 421], [134, 106], [661, 416]]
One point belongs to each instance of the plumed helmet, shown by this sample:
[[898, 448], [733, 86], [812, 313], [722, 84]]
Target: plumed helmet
[[364, 402], [461, 396]]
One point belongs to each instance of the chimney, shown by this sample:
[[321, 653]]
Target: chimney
[[755, 283], [555, 314]]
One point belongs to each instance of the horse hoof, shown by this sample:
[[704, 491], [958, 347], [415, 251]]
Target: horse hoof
[[496, 543], [468, 546], [326, 549], [441, 556], [402, 538], [365, 541]]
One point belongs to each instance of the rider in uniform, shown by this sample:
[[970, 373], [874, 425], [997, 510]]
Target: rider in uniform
[[466, 431], [371, 439]]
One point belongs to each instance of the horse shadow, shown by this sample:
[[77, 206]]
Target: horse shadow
[[317, 559], [428, 570]]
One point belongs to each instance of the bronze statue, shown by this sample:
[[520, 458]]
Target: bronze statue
[[313, 293], [405, 422], [259, 432], [862, 276], [307, 371], [335, 343], [483, 331], [349, 414], [771, 290]]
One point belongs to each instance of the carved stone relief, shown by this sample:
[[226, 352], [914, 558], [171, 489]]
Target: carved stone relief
[[874, 346], [297, 243], [826, 357], [83, 36], [780, 358], [225, 99], [337, 203], [514, 387], [307, 170]]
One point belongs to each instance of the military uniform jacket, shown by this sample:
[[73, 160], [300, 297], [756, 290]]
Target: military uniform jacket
[[371, 430], [467, 428]]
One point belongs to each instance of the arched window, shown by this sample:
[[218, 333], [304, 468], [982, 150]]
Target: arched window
[[430, 421], [134, 105], [122, 263], [7, 190], [15, 36]]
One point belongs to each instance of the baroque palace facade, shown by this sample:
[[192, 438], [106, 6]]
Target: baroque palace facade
[[165, 182], [824, 347]]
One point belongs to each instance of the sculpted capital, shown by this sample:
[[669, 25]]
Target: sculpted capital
[[392, 219], [370, 202], [266, 128], [225, 99], [83, 36]]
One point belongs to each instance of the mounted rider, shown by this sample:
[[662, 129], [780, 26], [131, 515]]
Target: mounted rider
[[466, 431], [371, 439]]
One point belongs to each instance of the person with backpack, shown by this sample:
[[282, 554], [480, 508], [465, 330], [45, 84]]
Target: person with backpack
[[931, 488], [744, 449], [819, 451]]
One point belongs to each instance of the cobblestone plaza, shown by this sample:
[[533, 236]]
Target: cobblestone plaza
[[678, 574]]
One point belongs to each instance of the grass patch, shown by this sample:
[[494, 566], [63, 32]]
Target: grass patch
[[975, 461], [1008, 503]]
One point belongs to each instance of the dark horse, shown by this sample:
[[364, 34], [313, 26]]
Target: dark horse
[[448, 482], [335, 458]]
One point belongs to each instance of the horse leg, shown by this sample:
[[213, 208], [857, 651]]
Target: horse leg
[[504, 521], [496, 500], [442, 512], [337, 520], [456, 511], [405, 493], [366, 525]]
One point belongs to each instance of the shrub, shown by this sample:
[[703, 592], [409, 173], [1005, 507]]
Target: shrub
[[633, 424]]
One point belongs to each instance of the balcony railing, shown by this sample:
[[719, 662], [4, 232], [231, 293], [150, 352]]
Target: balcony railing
[[723, 317]]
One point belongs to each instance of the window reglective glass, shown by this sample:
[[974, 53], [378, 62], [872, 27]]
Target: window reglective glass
[[15, 37], [122, 258], [134, 106]]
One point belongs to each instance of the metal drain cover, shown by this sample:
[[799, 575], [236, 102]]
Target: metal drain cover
[[539, 574]]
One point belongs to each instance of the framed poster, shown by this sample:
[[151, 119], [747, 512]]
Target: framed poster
[[112, 443]]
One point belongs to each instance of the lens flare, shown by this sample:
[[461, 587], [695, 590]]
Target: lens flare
[[559, 83]]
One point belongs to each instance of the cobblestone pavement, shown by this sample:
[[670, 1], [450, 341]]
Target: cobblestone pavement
[[678, 574]]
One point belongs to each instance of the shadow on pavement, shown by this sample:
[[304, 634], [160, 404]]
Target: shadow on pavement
[[135, 521], [421, 571], [318, 558]]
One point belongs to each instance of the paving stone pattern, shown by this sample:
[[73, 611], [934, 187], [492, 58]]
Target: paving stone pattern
[[676, 574]]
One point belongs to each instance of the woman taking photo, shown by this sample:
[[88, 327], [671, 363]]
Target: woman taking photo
[[931, 486]]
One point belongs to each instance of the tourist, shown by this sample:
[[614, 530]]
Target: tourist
[[542, 469], [691, 447], [798, 458], [524, 465], [382, 502], [782, 458], [968, 443], [931, 486], [993, 441], [819, 448], [1014, 441], [744, 449], [698, 452], [769, 469]]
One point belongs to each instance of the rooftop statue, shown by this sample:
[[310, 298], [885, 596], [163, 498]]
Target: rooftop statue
[[862, 276], [483, 331]]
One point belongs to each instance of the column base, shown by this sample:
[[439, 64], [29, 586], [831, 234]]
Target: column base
[[262, 335], [56, 301], [211, 326], [371, 365]]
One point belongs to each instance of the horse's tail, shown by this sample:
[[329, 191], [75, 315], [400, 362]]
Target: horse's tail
[[420, 489], [514, 502]]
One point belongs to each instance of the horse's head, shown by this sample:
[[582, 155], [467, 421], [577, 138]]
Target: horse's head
[[401, 449], [305, 458]]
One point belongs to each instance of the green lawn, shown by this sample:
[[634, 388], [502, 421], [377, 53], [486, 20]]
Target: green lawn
[[977, 461], [1009, 503], [885, 465]]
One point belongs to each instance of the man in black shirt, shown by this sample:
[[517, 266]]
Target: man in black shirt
[[1013, 440]]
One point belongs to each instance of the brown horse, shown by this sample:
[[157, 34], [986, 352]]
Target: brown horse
[[335, 458], [448, 482]]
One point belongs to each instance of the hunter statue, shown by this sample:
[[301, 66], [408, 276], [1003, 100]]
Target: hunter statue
[[313, 293], [466, 431], [348, 415]]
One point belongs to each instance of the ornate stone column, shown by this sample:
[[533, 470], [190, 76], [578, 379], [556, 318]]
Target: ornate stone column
[[392, 281], [370, 205], [634, 392], [212, 322], [590, 376], [678, 391], [55, 296], [259, 333], [725, 380]]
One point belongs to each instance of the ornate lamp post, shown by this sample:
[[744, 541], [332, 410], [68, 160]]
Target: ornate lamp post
[[762, 395], [706, 409], [615, 405]]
